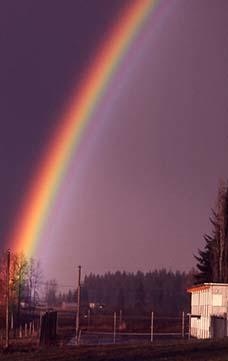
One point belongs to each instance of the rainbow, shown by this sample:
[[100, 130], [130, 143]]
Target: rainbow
[[52, 168]]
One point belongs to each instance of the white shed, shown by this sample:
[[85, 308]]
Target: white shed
[[209, 305]]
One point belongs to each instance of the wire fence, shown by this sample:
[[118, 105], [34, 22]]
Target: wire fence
[[120, 328], [98, 328]]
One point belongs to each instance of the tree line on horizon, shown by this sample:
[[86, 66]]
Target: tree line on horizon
[[159, 290]]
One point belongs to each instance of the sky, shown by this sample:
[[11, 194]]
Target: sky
[[139, 194]]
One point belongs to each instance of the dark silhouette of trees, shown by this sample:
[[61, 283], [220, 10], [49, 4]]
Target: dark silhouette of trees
[[135, 293], [121, 299], [205, 262], [84, 296], [140, 296], [212, 261], [51, 292], [160, 291]]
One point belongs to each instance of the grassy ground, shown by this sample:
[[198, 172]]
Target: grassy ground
[[183, 351]]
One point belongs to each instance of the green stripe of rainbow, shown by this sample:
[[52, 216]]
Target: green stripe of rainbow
[[53, 167]]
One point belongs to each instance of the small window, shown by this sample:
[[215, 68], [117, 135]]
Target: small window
[[217, 300]]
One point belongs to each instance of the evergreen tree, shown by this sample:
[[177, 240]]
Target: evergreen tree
[[121, 300], [51, 292], [140, 296], [212, 261], [205, 262]]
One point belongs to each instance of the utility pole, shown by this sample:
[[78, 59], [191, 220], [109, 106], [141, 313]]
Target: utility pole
[[78, 304], [7, 297]]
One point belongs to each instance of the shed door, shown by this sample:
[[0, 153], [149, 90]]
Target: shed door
[[218, 327]]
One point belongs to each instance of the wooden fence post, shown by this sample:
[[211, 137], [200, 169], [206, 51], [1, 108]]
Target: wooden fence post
[[78, 305], [26, 330], [33, 327], [114, 328], [182, 327], [20, 331], [189, 326], [152, 327]]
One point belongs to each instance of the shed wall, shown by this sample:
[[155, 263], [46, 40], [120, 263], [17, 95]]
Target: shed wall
[[207, 303]]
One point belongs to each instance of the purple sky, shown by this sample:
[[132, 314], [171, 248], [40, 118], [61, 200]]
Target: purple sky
[[139, 194]]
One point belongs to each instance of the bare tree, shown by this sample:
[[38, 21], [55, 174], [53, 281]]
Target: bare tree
[[34, 279]]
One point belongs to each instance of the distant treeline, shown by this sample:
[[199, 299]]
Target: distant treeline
[[162, 291]]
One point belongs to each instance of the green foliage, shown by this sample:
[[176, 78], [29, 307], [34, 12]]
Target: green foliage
[[25, 277]]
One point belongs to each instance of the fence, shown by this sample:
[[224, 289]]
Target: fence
[[26, 329], [100, 328], [121, 328]]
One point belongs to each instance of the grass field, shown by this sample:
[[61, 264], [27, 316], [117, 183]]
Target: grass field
[[183, 351]]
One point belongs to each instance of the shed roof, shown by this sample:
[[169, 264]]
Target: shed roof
[[205, 286]]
